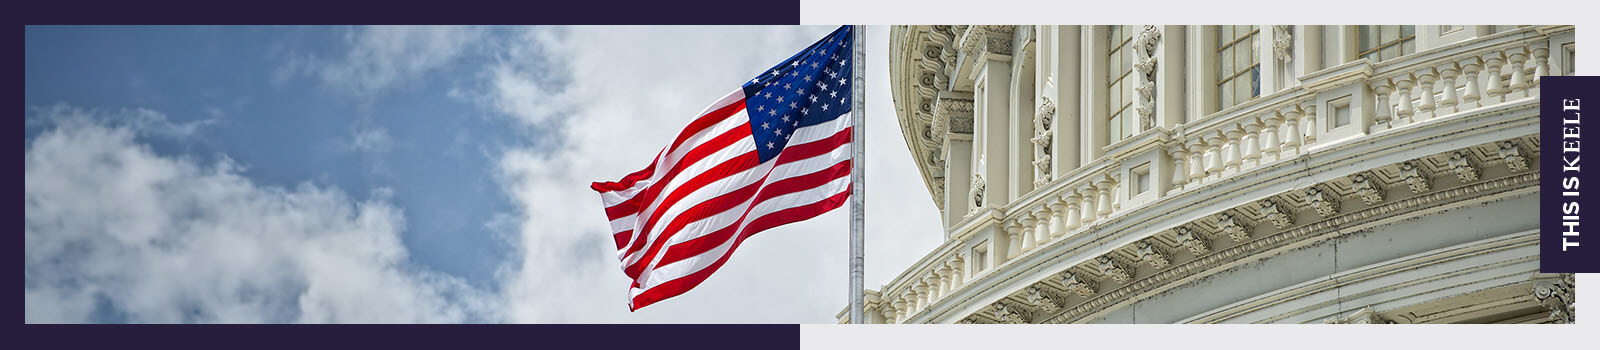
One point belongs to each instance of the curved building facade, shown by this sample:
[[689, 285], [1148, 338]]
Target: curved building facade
[[1227, 174]]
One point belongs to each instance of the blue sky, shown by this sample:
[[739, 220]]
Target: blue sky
[[401, 174]]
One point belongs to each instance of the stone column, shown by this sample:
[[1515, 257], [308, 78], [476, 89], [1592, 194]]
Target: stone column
[[1180, 174], [1541, 62], [1380, 92], [1197, 162], [1104, 185], [1027, 231], [1041, 233], [1013, 238], [1447, 75], [1230, 150], [1087, 193], [1517, 60], [1403, 84], [1495, 88], [1058, 217], [1471, 66], [1291, 143], [1308, 122], [1252, 142], [1213, 155], [1270, 146], [1074, 218], [1425, 79]]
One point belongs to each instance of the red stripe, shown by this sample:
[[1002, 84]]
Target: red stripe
[[714, 206], [805, 150], [678, 286], [695, 127], [721, 171], [622, 238], [627, 207], [700, 245], [699, 152]]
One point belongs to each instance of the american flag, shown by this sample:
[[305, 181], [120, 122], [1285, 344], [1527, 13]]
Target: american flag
[[773, 152]]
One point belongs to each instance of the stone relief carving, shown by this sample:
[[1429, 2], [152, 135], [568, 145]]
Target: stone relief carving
[[1558, 297], [1416, 177], [1367, 188], [977, 193], [1512, 153], [1152, 254], [1324, 202], [1365, 316], [1233, 227], [1083, 287], [1008, 314], [1463, 166], [1276, 214], [1145, 61], [1114, 269], [1281, 42], [1043, 300], [1041, 141], [1196, 242]]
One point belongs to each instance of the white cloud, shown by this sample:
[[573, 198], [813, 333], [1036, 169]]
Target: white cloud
[[625, 93], [380, 56], [115, 232], [374, 139]]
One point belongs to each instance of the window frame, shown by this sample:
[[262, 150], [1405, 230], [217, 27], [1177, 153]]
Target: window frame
[[1254, 69]]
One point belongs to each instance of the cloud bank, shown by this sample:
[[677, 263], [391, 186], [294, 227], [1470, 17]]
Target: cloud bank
[[116, 233]]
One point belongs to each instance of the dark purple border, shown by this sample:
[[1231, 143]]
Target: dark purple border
[[279, 337], [1557, 196], [605, 12]]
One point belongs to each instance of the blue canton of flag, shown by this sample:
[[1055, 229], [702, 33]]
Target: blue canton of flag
[[809, 88]]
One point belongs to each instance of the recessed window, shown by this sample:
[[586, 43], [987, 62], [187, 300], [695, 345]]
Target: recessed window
[[1340, 111], [1379, 43], [1141, 179], [1119, 83], [980, 257], [1448, 29], [1566, 59], [1238, 64]]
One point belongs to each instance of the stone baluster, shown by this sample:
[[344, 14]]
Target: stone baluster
[[1104, 185], [932, 281], [1270, 146], [1041, 232], [1213, 155], [1494, 89], [1027, 231], [1541, 63], [1058, 217], [1180, 172], [1471, 67], [1087, 194], [1381, 117], [942, 272], [922, 297], [1308, 122], [1197, 161], [958, 271], [1403, 84], [1231, 157], [1291, 118], [1252, 142], [1517, 61], [1425, 105], [1074, 201], [911, 304], [888, 312], [899, 310], [1014, 239], [1448, 72]]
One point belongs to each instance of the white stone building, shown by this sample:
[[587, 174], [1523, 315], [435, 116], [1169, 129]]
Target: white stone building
[[1227, 174]]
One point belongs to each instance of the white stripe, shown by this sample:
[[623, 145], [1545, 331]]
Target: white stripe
[[694, 264], [665, 163], [716, 222]]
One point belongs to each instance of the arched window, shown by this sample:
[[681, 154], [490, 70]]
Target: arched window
[[1238, 64]]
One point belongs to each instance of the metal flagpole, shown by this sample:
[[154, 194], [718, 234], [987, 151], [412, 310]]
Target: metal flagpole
[[858, 172]]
